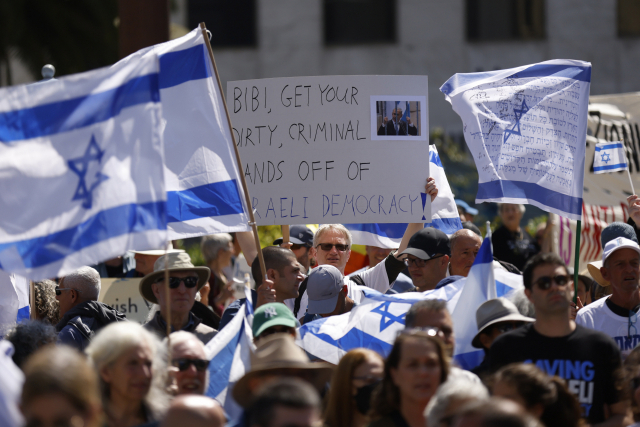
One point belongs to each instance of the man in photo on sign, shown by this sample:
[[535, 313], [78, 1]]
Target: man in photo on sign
[[396, 126]]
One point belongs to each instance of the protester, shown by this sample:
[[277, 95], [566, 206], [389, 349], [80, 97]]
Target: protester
[[359, 372], [415, 367], [28, 337], [468, 225], [616, 315], [427, 255], [189, 363], [194, 411], [332, 245], [81, 313], [278, 355], [273, 318], [450, 397], [610, 232], [466, 212], [494, 318], [127, 359], [60, 389], [285, 402], [432, 316], [465, 245], [300, 243], [544, 397], [586, 359], [511, 243], [184, 281], [46, 307], [328, 295], [585, 283], [217, 250], [496, 412], [375, 256], [284, 274]]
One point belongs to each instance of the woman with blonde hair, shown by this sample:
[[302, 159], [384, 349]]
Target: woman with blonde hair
[[355, 378], [128, 360], [415, 368], [60, 388]]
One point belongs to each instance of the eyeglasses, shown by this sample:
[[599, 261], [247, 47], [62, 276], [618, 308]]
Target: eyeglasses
[[174, 282], [420, 262], [295, 247], [184, 364], [544, 282], [59, 290], [328, 246], [633, 318], [507, 326], [432, 331]]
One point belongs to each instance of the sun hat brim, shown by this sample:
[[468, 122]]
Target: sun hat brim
[[145, 284]]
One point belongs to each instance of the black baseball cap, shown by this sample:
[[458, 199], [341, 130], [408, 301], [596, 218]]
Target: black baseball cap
[[427, 243], [298, 234]]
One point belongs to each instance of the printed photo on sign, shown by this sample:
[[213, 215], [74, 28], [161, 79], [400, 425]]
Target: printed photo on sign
[[397, 118]]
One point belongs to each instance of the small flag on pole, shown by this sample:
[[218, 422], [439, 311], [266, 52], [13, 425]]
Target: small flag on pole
[[609, 157]]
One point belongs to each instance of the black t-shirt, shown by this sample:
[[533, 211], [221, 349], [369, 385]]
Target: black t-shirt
[[513, 247], [588, 360]]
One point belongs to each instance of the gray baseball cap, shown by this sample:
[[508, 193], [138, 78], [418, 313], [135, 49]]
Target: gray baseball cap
[[323, 287]]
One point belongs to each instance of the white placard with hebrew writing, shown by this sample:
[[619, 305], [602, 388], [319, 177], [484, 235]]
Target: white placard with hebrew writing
[[319, 150]]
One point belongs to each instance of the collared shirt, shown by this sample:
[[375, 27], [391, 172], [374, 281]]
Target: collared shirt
[[158, 326]]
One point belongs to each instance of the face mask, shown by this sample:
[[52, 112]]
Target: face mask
[[363, 397]]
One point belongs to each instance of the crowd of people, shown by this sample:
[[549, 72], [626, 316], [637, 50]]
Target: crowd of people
[[548, 361]]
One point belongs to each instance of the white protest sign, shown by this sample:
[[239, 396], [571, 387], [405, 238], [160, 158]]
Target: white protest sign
[[317, 150], [124, 296], [526, 129]]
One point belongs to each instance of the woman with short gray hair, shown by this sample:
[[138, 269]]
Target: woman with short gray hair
[[512, 243], [217, 250]]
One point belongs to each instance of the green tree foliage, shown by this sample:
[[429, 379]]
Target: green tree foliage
[[73, 35]]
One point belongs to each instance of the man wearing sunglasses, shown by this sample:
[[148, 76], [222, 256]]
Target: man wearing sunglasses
[[184, 282], [81, 313], [617, 315], [189, 363], [588, 360]]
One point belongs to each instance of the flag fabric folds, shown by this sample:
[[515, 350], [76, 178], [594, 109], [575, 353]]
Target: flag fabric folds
[[526, 129], [376, 321], [81, 176], [204, 190], [444, 213], [229, 353], [609, 157], [14, 301]]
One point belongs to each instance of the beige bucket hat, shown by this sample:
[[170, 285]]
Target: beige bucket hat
[[177, 261]]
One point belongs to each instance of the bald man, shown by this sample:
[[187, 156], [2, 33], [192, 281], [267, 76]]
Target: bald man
[[194, 411], [465, 245]]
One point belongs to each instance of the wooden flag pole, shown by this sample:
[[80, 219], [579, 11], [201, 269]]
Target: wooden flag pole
[[633, 191], [285, 233], [32, 300], [252, 220]]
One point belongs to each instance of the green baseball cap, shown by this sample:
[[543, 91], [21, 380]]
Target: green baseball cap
[[272, 314]]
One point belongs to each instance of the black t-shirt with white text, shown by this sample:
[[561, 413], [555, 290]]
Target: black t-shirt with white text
[[589, 361]]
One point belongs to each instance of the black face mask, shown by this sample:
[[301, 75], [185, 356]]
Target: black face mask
[[363, 397]]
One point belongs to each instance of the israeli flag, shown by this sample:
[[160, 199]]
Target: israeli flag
[[609, 157], [204, 191], [14, 301], [81, 177], [376, 321], [526, 129], [229, 353], [407, 114], [444, 213]]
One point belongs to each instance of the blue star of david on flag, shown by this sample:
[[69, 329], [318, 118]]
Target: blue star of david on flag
[[605, 157], [383, 310], [80, 166], [518, 113], [609, 157]]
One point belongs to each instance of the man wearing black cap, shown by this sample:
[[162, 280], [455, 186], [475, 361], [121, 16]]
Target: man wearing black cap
[[428, 255], [301, 238]]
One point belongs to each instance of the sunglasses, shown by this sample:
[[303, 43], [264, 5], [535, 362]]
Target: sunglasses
[[295, 246], [328, 246], [174, 282], [184, 364], [506, 327], [59, 290], [420, 262], [544, 282]]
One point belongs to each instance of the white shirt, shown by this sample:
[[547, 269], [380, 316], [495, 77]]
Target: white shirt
[[623, 330]]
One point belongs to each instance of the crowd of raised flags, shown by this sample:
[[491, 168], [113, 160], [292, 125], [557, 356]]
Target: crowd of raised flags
[[157, 164]]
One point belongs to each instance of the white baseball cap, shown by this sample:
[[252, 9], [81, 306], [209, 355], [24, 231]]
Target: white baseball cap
[[619, 243]]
